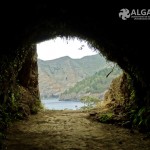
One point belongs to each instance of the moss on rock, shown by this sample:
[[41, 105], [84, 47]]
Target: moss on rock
[[19, 97]]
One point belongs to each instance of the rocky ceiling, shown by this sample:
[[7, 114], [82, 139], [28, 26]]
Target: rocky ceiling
[[123, 41]]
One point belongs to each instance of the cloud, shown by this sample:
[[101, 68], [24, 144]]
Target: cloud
[[59, 47]]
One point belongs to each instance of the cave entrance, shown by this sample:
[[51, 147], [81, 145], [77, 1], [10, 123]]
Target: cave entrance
[[69, 70]]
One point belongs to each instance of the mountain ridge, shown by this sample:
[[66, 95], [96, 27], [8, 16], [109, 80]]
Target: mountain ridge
[[68, 57], [55, 76]]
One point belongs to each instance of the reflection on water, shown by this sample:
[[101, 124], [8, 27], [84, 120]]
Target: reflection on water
[[55, 104]]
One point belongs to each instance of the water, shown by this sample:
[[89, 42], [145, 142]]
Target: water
[[55, 104]]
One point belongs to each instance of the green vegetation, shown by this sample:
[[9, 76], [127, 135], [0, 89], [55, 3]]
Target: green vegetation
[[56, 76], [18, 93], [8, 93], [105, 118], [89, 102], [140, 118], [120, 100], [97, 83]]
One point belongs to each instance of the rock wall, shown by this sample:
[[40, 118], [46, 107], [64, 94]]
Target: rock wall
[[123, 42], [28, 79], [119, 92], [19, 93], [121, 99]]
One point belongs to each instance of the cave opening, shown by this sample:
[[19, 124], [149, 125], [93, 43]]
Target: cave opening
[[123, 42], [70, 69]]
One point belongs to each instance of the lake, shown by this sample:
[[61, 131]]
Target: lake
[[55, 104]]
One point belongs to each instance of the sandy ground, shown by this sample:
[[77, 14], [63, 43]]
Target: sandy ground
[[71, 130]]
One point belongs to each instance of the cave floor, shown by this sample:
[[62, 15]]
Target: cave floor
[[70, 130]]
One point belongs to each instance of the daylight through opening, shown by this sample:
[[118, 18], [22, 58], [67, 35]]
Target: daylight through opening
[[72, 75]]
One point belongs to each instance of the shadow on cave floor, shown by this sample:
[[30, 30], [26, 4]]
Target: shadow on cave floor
[[70, 130]]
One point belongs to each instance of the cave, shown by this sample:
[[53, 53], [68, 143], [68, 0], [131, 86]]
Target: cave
[[123, 42]]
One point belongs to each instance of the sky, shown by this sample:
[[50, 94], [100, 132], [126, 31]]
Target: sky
[[59, 47]]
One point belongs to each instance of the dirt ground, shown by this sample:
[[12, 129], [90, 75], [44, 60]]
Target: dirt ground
[[71, 130]]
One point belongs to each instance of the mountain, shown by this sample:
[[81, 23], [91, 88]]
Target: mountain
[[95, 85], [55, 76]]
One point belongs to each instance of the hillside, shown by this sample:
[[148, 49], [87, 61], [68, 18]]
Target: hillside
[[55, 76], [95, 85]]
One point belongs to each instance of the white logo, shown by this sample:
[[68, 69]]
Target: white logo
[[124, 14]]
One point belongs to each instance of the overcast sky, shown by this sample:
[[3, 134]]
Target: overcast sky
[[59, 47]]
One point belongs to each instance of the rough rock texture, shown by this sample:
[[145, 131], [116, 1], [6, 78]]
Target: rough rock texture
[[28, 75], [28, 79], [119, 92], [121, 101], [19, 90], [124, 42]]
